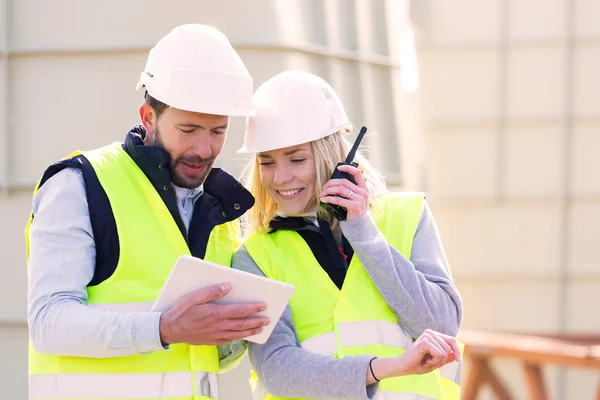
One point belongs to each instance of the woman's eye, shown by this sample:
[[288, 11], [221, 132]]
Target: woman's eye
[[265, 163], [299, 160]]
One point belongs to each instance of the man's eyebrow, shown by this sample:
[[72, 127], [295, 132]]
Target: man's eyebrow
[[201, 127]]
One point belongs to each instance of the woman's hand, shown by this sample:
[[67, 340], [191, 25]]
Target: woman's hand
[[430, 351], [354, 198]]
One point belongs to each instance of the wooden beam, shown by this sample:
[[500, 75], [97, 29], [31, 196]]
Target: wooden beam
[[480, 373], [532, 349], [535, 382], [498, 387], [475, 378]]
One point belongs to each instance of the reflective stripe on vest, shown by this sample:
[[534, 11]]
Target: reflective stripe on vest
[[383, 395], [118, 386], [359, 334]]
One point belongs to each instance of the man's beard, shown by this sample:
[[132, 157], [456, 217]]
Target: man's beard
[[178, 176]]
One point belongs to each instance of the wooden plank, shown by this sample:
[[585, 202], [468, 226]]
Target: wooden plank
[[569, 337], [498, 387], [535, 382], [534, 351], [475, 378], [531, 349]]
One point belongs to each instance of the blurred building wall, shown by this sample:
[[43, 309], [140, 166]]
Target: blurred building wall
[[512, 120], [68, 69]]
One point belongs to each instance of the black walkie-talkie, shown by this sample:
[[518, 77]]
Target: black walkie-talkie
[[340, 212]]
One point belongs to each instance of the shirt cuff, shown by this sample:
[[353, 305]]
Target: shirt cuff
[[145, 332]]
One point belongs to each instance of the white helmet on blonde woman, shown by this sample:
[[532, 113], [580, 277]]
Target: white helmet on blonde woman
[[292, 108]]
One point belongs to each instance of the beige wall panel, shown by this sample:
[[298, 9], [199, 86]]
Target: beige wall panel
[[3, 20], [584, 238], [581, 383], [371, 25], [511, 306], [455, 170], [586, 18], [385, 144], [459, 87], [584, 305], [461, 21], [586, 162], [14, 212], [71, 24], [341, 26], [501, 242], [13, 362], [344, 79], [60, 104], [536, 19], [536, 83], [586, 82], [534, 161], [4, 132]]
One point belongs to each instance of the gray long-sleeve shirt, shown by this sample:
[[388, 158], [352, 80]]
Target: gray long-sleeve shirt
[[62, 261], [420, 291]]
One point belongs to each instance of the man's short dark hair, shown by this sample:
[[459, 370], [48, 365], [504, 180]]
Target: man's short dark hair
[[157, 105]]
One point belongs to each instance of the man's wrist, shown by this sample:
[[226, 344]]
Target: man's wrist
[[164, 328]]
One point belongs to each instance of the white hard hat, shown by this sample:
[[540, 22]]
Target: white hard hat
[[195, 68], [292, 108]]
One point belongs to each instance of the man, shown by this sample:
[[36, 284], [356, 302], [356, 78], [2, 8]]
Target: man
[[108, 224]]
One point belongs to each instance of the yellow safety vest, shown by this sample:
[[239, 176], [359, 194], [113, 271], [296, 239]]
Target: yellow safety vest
[[355, 320], [181, 373]]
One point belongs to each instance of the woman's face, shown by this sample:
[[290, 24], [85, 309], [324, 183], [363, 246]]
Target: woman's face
[[289, 177]]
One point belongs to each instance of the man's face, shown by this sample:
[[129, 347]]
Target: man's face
[[193, 141]]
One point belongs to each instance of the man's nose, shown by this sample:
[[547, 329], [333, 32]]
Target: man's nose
[[202, 147]]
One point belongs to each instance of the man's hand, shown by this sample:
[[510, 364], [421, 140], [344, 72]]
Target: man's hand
[[195, 320]]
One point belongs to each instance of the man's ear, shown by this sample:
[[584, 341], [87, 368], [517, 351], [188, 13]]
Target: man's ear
[[148, 118]]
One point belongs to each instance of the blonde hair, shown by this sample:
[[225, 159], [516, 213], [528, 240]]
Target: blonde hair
[[327, 152]]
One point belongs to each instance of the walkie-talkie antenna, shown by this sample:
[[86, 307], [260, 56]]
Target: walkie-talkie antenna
[[352, 152]]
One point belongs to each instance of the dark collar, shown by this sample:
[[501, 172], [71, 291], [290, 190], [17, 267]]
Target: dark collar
[[154, 162], [291, 224]]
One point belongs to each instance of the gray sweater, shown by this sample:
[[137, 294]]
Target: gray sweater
[[420, 291]]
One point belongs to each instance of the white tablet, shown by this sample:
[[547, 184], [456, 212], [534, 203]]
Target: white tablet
[[190, 274]]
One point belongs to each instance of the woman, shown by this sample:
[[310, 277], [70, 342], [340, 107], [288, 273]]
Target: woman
[[366, 287]]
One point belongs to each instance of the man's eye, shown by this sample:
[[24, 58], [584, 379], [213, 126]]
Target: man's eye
[[186, 130]]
